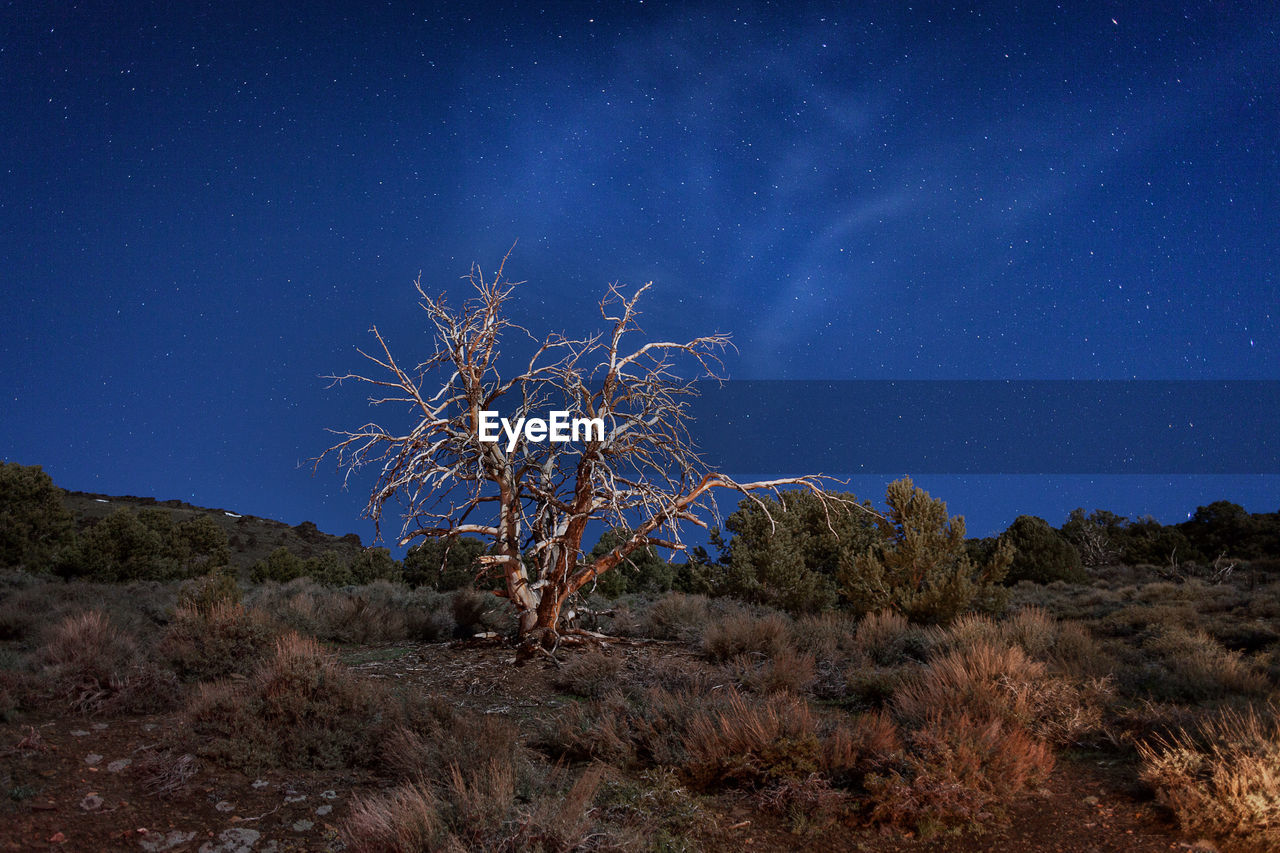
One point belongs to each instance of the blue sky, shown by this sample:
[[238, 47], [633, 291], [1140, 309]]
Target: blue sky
[[204, 207]]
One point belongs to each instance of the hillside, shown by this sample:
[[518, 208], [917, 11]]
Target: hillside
[[250, 537]]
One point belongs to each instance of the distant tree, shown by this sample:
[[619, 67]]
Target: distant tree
[[1146, 541], [373, 564], [1227, 528], [530, 497], [786, 552], [1040, 553], [35, 528], [280, 566], [444, 564], [922, 568], [123, 547], [1094, 536]]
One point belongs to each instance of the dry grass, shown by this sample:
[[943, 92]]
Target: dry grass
[[957, 770], [300, 708], [1191, 666], [750, 743], [1222, 778], [475, 810], [985, 681], [736, 634], [96, 668]]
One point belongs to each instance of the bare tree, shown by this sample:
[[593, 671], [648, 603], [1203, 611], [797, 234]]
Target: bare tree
[[630, 462]]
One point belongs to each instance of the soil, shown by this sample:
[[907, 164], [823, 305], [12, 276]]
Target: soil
[[87, 784]]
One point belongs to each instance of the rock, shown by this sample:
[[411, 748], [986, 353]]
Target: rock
[[224, 806], [156, 843], [324, 810], [119, 764], [92, 758], [302, 825], [91, 802], [235, 840]]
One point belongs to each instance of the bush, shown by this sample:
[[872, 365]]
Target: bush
[[591, 674], [217, 587], [641, 571], [1220, 778], [1041, 554], [957, 770], [986, 681], [94, 667], [785, 554], [677, 616], [1191, 666], [478, 809], [35, 528], [299, 709], [217, 640], [922, 569], [742, 633]]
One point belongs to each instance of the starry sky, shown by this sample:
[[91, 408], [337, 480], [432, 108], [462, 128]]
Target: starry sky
[[205, 206]]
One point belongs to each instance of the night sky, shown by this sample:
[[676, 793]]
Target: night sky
[[204, 207]]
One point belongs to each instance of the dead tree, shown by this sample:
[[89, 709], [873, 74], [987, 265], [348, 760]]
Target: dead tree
[[533, 499]]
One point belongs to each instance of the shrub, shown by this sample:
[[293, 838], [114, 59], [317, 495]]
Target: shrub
[[443, 565], [885, 637], [1220, 778], [95, 667], [375, 564], [281, 566], [476, 810], [957, 770], [986, 681], [1191, 666], [643, 570], [750, 743], [217, 640], [591, 674], [741, 633], [1040, 553], [677, 616], [217, 587], [922, 569], [786, 671], [300, 709]]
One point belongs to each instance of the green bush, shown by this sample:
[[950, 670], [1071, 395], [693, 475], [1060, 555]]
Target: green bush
[[790, 562], [35, 528], [374, 564], [1040, 553], [443, 565], [922, 568], [281, 566]]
